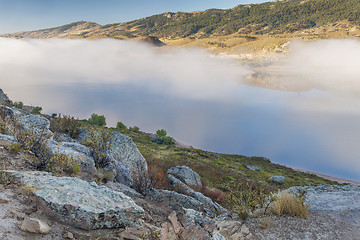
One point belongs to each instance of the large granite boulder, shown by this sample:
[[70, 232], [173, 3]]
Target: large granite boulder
[[125, 161], [80, 203], [186, 175]]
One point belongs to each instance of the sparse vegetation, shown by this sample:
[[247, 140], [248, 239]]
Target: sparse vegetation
[[15, 148], [66, 124], [99, 141], [62, 163], [162, 138], [290, 203]]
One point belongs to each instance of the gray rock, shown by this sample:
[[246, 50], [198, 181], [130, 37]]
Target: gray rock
[[254, 168], [36, 123], [122, 173], [124, 150], [175, 200], [210, 207], [278, 179], [62, 137], [186, 175], [80, 203], [3, 97], [339, 199], [34, 225], [8, 138], [76, 151]]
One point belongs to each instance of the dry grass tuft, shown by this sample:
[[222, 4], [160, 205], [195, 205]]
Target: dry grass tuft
[[291, 204]]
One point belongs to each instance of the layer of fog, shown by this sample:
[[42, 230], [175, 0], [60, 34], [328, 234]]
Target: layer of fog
[[197, 97]]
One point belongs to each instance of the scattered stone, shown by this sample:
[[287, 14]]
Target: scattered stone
[[6, 140], [68, 235], [128, 236], [34, 225], [186, 175], [80, 203], [278, 179], [16, 214], [175, 223], [254, 168], [3, 201]]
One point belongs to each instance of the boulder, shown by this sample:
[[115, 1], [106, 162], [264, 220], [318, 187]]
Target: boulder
[[186, 175], [125, 160], [175, 200], [76, 151], [79, 203], [34, 225], [278, 179], [7, 138], [125, 151], [209, 206], [254, 168], [36, 123], [3, 97]]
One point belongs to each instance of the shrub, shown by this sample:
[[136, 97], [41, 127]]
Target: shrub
[[161, 133], [104, 176], [98, 120], [36, 110], [290, 203], [60, 163], [164, 140], [99, 143], [134, 129], [66, 124], [15, 148], [18, 105], [245, 197], [120, 126], [54, 115]]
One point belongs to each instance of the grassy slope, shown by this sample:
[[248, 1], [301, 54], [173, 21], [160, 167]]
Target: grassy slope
[[218, 170]]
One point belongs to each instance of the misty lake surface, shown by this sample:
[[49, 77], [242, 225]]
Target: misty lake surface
[[199, 99], [310, 130]]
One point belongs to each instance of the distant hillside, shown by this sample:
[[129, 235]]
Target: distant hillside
[[287, 19]]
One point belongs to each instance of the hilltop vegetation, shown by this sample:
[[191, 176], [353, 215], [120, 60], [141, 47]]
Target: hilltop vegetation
[[252, 27]]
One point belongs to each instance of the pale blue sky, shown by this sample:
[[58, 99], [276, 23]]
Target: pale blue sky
[[18, 15]]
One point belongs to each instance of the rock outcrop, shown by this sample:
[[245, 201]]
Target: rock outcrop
[[80, 203], [3, 97], [186, 175], [278, 179]]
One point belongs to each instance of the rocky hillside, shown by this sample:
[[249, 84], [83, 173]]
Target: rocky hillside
[[60, 179]]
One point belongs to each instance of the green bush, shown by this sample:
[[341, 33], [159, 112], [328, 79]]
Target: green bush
[[36, 110], [161, 133], [98, 120], [120, 126], [164, 140], [134, 129], [18, 105]]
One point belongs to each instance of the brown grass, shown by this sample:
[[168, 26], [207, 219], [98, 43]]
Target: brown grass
[[291, 204]]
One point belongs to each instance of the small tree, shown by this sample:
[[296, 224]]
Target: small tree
[[99, 120], [36, 110], [120, 126], [161, 133]]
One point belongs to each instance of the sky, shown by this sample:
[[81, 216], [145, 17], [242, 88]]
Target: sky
[[25, 15]]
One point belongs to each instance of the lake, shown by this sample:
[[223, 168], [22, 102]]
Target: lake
[[312, 129]]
